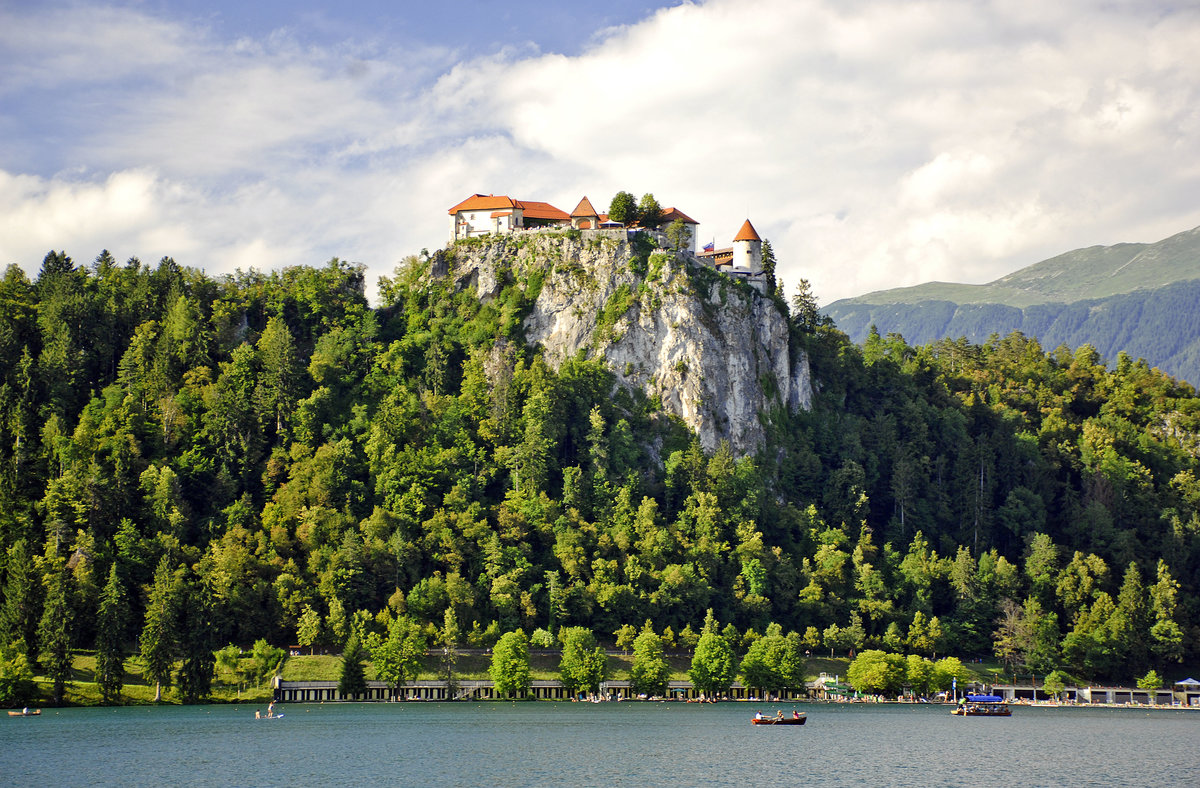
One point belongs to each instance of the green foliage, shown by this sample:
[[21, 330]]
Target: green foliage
[[1055, 682], [54, 632], [713, 667], [510, 665], [542, 639], [584, 664], [352, 681], [614, 309], [263, 457], [265, 661], [877, 672], [649, 212], [398, 656], [623, 208], [650, 672], [16, 678], [774, 663], [161, 628], [22, 608], [111, 627]]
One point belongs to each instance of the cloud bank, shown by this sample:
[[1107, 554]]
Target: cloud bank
[[877, 144]]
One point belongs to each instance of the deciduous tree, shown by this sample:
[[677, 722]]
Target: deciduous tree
[[510, 664], [584, 665], [649, 673]]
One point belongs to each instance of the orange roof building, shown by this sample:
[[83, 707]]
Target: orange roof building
[[481, 214], [747, 250], [585, 217], [747, 233]]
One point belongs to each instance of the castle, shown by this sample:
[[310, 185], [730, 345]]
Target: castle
[[484, 214]]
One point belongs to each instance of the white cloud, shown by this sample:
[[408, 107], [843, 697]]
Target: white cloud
[[877, 144]]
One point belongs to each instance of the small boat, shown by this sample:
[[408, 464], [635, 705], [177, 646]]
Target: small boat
[[982, 706], [803, 718], [25, 713]]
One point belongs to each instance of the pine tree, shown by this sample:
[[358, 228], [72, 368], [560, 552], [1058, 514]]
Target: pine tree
[[160, 632], [353, 681], [54, 632], [111, 625], [196, 641], [22, 602]]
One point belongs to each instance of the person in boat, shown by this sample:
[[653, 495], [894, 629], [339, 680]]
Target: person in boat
[[779, 714], [795, 714], [758, 715]]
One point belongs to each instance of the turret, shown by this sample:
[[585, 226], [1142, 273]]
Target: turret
[[747, 249]]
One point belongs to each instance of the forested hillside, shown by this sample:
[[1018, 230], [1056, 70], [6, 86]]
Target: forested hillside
[[1138, 299], [188, 461], [1160, 325]]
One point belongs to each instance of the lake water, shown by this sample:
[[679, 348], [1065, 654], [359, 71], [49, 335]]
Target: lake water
[[575, 744]]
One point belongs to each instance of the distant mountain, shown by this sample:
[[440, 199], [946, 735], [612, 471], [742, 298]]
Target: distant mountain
[[1143, 299]]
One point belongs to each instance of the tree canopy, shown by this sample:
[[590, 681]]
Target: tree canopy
[[267, 456]]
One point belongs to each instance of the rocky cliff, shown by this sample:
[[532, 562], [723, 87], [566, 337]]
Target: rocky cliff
[[713, 349]]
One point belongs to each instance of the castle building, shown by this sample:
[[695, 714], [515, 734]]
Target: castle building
[[744, 258], [481, 214]]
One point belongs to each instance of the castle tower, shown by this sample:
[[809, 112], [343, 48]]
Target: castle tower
[[747, 249]]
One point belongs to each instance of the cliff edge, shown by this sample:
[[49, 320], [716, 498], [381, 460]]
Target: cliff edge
[[713, 349]]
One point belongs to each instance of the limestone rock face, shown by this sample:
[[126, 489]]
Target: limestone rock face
[[713, 349]]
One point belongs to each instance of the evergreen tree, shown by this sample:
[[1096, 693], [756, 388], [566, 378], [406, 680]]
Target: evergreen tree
[[353, 680], [112, 625], [22, 601], [768, 266], [55, 630], [197, 641], [160, 631]]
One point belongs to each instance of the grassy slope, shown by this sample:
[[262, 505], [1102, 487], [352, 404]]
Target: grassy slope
[[1081, 274]]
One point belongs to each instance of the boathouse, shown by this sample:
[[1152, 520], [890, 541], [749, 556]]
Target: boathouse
[[552, 689]]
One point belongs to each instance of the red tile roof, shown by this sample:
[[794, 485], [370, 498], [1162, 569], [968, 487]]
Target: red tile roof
[[498, 202], [584, 208], [747, 233], [484, 202], [671, 214], [541, 210]]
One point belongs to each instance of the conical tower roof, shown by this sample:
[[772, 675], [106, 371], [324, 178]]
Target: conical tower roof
[[747, 233], [584, 208]]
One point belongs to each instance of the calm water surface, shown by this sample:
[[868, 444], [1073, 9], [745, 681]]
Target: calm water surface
[[565, 744]]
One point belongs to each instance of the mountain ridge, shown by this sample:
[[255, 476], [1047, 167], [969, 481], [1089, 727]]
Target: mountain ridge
[[1131, 297]]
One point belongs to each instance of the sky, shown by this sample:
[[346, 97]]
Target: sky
[[875, 143]]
